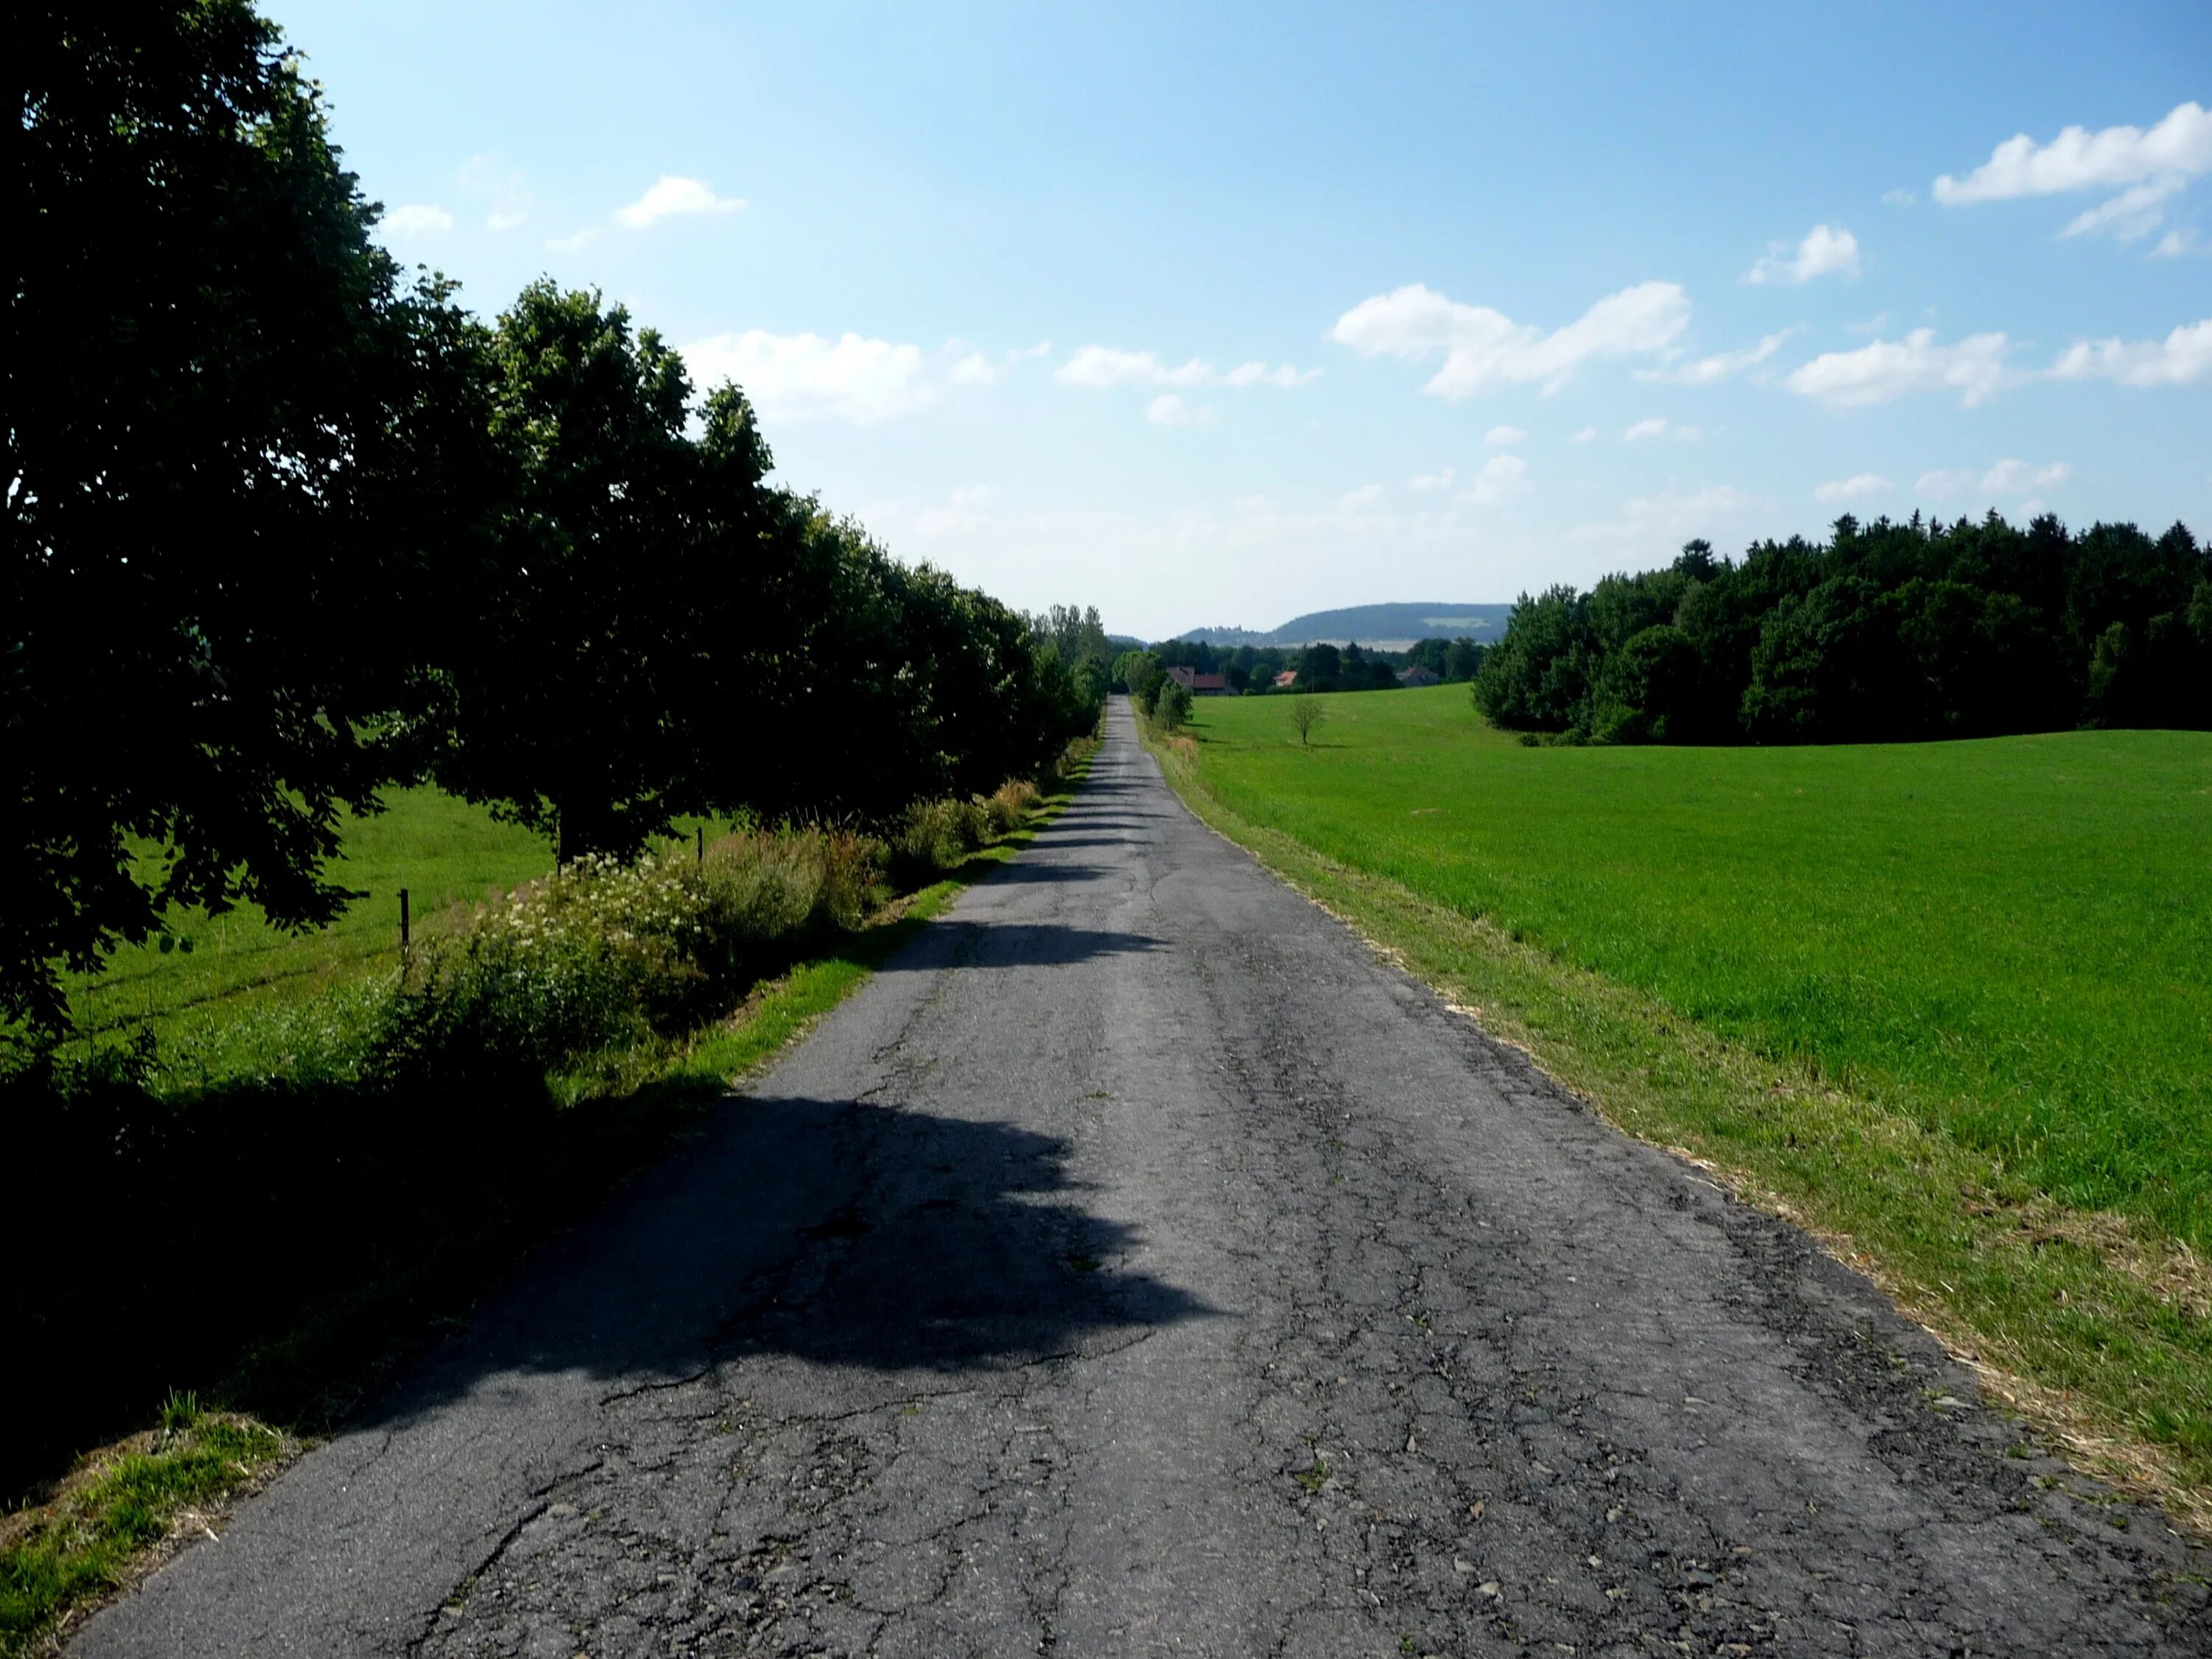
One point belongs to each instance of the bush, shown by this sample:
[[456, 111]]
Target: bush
[[1172, 707], [602, 954]]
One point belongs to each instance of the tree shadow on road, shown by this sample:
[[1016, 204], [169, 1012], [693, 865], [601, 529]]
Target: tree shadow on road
[[842, 1233]]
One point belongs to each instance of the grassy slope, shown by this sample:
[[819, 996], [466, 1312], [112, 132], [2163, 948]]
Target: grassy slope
[[1951, 1000], [444, 850]]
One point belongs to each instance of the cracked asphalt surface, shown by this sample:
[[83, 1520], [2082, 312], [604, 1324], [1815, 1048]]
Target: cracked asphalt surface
[[1139, 1266]]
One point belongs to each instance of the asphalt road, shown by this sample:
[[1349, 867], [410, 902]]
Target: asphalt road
[[1137, 1265]]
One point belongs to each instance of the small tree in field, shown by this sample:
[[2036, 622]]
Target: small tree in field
[[1306, 712]]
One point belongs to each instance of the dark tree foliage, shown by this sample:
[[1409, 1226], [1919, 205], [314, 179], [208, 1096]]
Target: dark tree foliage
[[561, 695], [283, 528], [1449, 660], [1886, 632], [235, 442]]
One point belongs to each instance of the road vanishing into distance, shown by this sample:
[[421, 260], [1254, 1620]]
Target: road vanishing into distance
[[1137, 1265]]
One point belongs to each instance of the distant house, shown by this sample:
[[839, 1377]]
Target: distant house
[[1198, 684], [1418, 675], [1286, 679]]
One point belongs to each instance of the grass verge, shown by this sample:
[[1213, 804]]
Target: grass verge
[[124, 1507], [2092, 1327]]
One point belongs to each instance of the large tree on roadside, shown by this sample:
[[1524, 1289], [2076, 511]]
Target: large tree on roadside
[[564, 714], [236, 440]]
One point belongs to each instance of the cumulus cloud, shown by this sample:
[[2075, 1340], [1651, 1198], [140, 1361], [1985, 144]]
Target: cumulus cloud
[[1440, 479], [1105, 366], [972, 369], [1482, 347], [1365, 495], [2174, 244], [672, 196], [1874, 373], [2184, 356], [1857, 488], [1504, 434], [2078, 159], [2005, 478], [418, 219], [1826, 250], [1588, 435], [2146, 166], [802, 376], [1169, 410], [1705, 371], [1502, 478]]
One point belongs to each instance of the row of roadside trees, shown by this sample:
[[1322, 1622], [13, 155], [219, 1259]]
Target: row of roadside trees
[[286, 524]]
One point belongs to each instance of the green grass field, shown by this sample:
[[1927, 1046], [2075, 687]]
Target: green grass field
[[443, 850], [2008, 940]]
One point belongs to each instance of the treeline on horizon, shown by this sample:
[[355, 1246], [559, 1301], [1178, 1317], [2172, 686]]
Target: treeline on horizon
[[1886, 632], [1321, 666], [287, 525]]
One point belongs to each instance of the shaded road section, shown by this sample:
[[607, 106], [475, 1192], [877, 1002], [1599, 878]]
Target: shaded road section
[[1137, 1265]]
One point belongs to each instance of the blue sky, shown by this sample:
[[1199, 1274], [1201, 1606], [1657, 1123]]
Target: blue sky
[[1215, 315]]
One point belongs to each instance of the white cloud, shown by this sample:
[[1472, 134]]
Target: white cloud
[[570, 244], [1169, 410], [1588, 435], [2174, 244], [964, 510], [671, 195], [2078, 159], [418, 219], [1857, 487], [1283, 375], [969, 368], [2007, 477], [2130, 215], [798, 376], [1876, 373], [1705, 371], [1105, 366], [1654, 427], [1365, 495], [1481, 347], [1664, 520], [500, 187], [2184, 356], [1502, 478], [1041, 349], [1504, 434], [1900, 197], [1825, 249], [2153, 166], [1440, 479]]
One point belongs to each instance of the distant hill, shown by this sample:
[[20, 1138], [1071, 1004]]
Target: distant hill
[[1371, 624]]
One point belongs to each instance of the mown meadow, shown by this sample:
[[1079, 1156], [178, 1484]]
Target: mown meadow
[[2012, 936], [1996, 955]]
